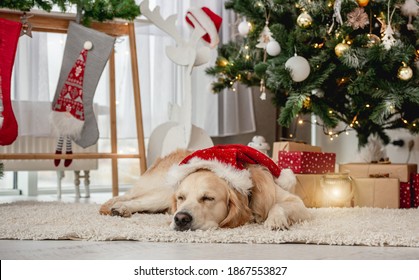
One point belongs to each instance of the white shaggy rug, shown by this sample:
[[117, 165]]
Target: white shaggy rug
[[335, 226]]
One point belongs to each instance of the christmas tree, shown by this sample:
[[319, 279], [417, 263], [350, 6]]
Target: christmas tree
[[88, 10], [350, 61]]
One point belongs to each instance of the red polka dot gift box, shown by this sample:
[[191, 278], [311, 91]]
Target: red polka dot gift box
[[409, 192], [307, 162]]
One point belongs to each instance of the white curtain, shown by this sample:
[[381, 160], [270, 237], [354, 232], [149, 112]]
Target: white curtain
[[38, 63]]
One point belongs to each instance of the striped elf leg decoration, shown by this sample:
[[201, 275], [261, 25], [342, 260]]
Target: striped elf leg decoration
[[68, 151], [59, 150]]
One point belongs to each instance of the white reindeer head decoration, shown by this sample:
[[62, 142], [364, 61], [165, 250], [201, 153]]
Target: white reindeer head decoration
[[185, 52]]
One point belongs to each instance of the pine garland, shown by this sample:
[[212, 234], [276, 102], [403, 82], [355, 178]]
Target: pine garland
[[361, 86], [99, 10]]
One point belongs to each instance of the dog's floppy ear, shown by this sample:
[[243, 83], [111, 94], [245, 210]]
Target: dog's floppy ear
[[239, 212], [263, 192]]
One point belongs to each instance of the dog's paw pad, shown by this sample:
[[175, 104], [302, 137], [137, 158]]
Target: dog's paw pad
[[120, 210]]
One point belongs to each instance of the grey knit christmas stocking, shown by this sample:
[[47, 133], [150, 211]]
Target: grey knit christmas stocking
[[85, 55]]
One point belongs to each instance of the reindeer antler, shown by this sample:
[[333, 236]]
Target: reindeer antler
[[167, 25]]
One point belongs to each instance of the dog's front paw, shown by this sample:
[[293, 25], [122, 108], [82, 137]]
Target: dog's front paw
[[119, 209], [105, 208], [277, 219]]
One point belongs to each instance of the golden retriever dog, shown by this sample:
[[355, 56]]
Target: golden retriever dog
[[206, 197]]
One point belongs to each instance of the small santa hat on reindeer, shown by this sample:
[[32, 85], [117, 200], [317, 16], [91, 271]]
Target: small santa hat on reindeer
[[229, 163], [208, 20]]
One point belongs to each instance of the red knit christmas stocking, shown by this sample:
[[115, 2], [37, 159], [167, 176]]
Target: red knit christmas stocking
[[9, 36]]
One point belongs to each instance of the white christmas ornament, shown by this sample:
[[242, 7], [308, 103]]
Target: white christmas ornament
[[273, 48], [299, 67], [264, 38], [388, 39], [244, 27], [259, 143]]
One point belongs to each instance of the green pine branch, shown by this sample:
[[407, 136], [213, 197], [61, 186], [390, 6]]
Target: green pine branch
[[99, 10]]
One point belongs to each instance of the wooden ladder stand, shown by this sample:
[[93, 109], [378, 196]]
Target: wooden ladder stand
[[58, 23]]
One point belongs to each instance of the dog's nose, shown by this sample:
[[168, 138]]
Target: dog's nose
[[183, 221]]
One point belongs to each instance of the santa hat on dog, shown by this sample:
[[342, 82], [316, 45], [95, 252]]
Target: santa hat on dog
[[208, 20], [229, 163]]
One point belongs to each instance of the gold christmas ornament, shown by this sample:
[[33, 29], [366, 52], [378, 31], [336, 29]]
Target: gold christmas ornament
[[222, 62], [304, 20], [373, 40], [405, 72], [307, 103], [363, 3], [341, 48]]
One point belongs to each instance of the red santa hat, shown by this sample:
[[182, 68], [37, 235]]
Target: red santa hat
[[209, 21], [67, 115], [229, 163]]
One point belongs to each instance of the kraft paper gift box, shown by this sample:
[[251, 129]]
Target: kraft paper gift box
[[307, 162], [292, 147], [365, 170], [376, 192]]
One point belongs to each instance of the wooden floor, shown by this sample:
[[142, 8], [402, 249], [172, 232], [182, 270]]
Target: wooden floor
[[133, 250]]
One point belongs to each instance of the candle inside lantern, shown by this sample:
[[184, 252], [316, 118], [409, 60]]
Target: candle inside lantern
[[337, 190]]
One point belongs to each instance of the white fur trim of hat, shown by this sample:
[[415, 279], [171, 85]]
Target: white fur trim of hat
[[236, 178]]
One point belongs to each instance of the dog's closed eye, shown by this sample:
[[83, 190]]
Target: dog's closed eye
[[207, 198]]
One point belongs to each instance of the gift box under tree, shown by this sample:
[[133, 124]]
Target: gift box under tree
[[307, 162], [290, 146], [409, 192], [403, 172]]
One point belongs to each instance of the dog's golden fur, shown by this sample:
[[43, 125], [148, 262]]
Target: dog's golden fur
[[203, 200]]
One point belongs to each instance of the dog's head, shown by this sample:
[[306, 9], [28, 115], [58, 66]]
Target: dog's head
[[203, 201]]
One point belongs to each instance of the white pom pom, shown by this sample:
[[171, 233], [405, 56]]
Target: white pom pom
[[287, 180], [88, 45]]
